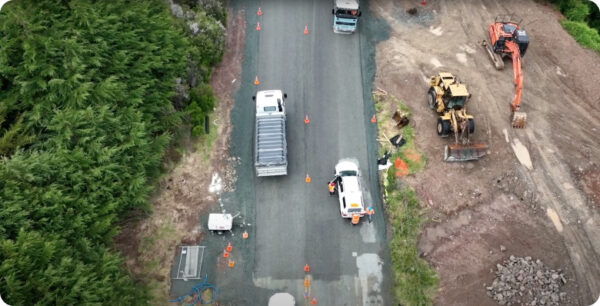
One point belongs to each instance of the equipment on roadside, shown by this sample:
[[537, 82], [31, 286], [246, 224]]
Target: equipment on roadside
[[221, 222], [349, 190], [270, 146], [508, 39], [448, 97]]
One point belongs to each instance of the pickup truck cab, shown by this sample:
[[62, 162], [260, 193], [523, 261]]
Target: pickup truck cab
[[349, 190]]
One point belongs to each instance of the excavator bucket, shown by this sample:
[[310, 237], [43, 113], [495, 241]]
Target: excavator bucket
[[519, 119], [460, 153]]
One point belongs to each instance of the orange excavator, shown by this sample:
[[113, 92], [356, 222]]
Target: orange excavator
[[507, 39]]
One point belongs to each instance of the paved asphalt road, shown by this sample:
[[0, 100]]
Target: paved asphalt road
[[296, 223]]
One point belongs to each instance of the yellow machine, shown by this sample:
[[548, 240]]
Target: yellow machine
[[448, 98]]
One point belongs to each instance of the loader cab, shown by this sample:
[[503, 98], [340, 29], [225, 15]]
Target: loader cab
[[456, 96]]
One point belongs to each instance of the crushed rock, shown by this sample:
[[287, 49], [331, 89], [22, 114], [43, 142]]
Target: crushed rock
[[524, 281]]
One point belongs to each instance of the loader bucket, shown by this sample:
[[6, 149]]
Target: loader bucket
[[519, 119], [460, 153]]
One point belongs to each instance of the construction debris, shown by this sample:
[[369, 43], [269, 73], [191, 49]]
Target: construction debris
[[524, 281], [397, 141], [401, 119]]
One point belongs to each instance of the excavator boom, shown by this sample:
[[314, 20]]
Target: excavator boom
[[518, 118]]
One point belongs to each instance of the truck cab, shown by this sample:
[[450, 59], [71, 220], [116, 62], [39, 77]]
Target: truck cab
[[345, 16], [349, 189], [269, 102]]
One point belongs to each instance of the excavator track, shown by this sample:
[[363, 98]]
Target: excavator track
[[494, 57]]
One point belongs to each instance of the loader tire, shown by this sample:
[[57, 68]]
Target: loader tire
[[431, 98], [471, 126], [443, 127]]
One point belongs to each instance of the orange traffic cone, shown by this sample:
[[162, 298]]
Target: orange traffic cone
[[245, 235], [231, 263], [423, 3], [256, 82], [306, 268], [313, 301], [373, 119], [307, 179], [306, 30], [259, 12], [225, 254], [306, 121], [229, 248], [258, 26], [306, 282]]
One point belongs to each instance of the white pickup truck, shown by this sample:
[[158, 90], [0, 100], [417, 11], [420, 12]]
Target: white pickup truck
[[270, 146], [349, 190]]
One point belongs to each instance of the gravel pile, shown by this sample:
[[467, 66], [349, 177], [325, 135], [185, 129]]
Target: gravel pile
[[524, 281]]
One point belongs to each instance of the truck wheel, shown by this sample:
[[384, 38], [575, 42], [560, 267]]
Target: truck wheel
[[443, 127], [431, 98], [471, 126]]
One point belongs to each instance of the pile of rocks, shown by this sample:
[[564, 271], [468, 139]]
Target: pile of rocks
[[524, 281]]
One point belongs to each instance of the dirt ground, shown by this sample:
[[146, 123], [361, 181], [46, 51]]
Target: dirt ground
[[149, 242], [537, 192]]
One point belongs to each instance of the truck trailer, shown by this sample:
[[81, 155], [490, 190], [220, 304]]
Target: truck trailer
[[270, 146]]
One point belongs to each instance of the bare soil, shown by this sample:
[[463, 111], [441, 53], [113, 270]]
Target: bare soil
[[537, 192], [149, 242]]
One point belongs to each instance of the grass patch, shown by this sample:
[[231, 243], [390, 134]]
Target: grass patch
[[415, 282], [385, 106], [583, 34], [205, 142]]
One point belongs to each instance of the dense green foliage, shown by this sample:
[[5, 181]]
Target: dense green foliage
[[582, 21], [85, 118], [583, 34]]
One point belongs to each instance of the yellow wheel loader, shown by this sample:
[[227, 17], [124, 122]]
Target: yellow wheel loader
[[448, 97]]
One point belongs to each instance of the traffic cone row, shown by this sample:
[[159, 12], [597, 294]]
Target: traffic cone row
[[226, 254], [257, 82]]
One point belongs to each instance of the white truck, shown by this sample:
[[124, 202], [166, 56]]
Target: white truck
[[270, 146], [349, 190], [345, 16]]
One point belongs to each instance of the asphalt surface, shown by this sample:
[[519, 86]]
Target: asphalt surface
[[291, 222]]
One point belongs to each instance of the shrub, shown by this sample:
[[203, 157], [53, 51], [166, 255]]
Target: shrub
[[583, 34]]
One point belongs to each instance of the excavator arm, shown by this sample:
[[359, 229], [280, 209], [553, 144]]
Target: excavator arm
[[517, 75], [518, 118]]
